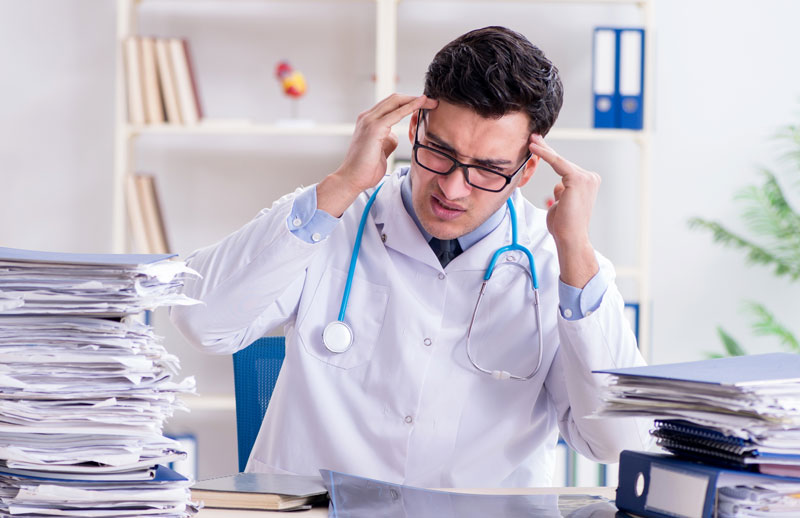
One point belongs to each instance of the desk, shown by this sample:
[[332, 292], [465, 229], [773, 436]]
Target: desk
[[320, 512]]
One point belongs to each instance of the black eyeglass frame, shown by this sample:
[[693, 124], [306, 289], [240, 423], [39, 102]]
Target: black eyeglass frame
[[460, 165]]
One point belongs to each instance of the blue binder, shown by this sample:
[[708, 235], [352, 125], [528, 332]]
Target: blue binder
[[618, 77], [605, 78], [158, 473], [662, 486], [630, 44]]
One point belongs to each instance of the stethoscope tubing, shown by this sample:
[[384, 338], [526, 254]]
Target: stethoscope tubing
[[354, 256], [531, 272]]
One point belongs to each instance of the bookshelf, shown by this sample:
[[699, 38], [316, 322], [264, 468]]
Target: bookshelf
[[386, 21]]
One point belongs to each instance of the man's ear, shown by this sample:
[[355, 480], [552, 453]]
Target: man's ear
[[412, 125], [530, 168]]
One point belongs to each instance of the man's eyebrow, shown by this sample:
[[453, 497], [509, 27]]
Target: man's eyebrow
[[486, 162]]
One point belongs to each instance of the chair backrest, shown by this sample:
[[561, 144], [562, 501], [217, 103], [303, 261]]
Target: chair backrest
[[255, 371]]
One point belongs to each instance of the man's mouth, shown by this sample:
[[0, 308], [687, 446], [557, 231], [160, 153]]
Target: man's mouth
[[444, 210]]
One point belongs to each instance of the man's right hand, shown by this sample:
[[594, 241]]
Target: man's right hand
[[372, 143]]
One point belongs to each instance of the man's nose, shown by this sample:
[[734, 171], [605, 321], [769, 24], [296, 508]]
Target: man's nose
[[454, 185]]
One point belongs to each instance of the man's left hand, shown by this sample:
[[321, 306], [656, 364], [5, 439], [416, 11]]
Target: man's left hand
[[569, 216]]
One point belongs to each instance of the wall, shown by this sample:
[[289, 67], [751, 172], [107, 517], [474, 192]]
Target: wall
[[724, 84]]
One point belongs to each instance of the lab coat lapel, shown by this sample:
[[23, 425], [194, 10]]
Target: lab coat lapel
[[402, 234]]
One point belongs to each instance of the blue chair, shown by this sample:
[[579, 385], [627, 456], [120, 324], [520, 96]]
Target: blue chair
[[255, 371]]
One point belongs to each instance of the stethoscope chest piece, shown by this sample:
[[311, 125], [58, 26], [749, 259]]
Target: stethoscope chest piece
[[337, 337]]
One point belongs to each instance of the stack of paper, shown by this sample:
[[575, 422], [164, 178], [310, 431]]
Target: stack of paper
[[752, 397], [772, 500], [106, 284], [83, 399]]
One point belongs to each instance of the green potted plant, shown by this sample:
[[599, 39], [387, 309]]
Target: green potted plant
[[775, 241]]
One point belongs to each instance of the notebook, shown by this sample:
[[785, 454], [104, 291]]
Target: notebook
[[263, 491]]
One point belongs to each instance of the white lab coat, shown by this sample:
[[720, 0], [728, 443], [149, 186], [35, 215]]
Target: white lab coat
[[404, 404]]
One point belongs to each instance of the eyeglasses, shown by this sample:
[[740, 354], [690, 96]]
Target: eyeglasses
[[477, 176]]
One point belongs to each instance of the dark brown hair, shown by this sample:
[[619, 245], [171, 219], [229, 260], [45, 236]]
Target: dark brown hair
[[495, 71]]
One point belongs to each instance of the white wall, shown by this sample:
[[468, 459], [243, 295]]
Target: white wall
[[726, 79]]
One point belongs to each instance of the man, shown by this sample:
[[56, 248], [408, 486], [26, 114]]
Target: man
[[406, 402]]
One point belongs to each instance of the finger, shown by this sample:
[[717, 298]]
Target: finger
[[543, 150], [421, 102], [389, 144], [393, 103], [558, 190]]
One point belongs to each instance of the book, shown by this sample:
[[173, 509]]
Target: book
[[151, 211], [178, 52], [192, 78], [264, 491], [154, 109], [166, 76], [133, 77], [136, 215]]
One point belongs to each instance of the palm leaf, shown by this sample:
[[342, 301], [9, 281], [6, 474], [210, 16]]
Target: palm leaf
[[769, 215], [731, 346], [766, 325], [756, 254]]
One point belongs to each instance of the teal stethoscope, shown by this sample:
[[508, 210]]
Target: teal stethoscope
[[338, 335]]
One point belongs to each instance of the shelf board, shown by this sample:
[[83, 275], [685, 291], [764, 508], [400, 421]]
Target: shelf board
[[237, 128], [224, 127], [624, 2], [588, 134]]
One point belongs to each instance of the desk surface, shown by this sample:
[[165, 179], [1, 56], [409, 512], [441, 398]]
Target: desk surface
[[319, 512]]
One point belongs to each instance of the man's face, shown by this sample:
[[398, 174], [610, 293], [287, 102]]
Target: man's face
[[447, 206]]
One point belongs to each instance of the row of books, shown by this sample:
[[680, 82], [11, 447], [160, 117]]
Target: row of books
[[145, 215], [160, 81], [731, 427]]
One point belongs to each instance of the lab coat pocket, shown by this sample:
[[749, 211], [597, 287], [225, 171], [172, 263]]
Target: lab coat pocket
[[366, 309]]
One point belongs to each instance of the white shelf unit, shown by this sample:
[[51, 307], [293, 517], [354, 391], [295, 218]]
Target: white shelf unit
[[386, 21]]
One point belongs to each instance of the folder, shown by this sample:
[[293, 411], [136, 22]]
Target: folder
[[604, 78], [631, 78], [158, 473], [654, 485], [750, 371]]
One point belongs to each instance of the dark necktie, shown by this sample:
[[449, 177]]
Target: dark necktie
[[445, 250]]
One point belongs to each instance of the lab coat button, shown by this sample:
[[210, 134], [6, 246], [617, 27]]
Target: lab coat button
[[297, 222], [567, 313], [409, 419], [427, 341], [441, 276], [383, 237], [315, 237]]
